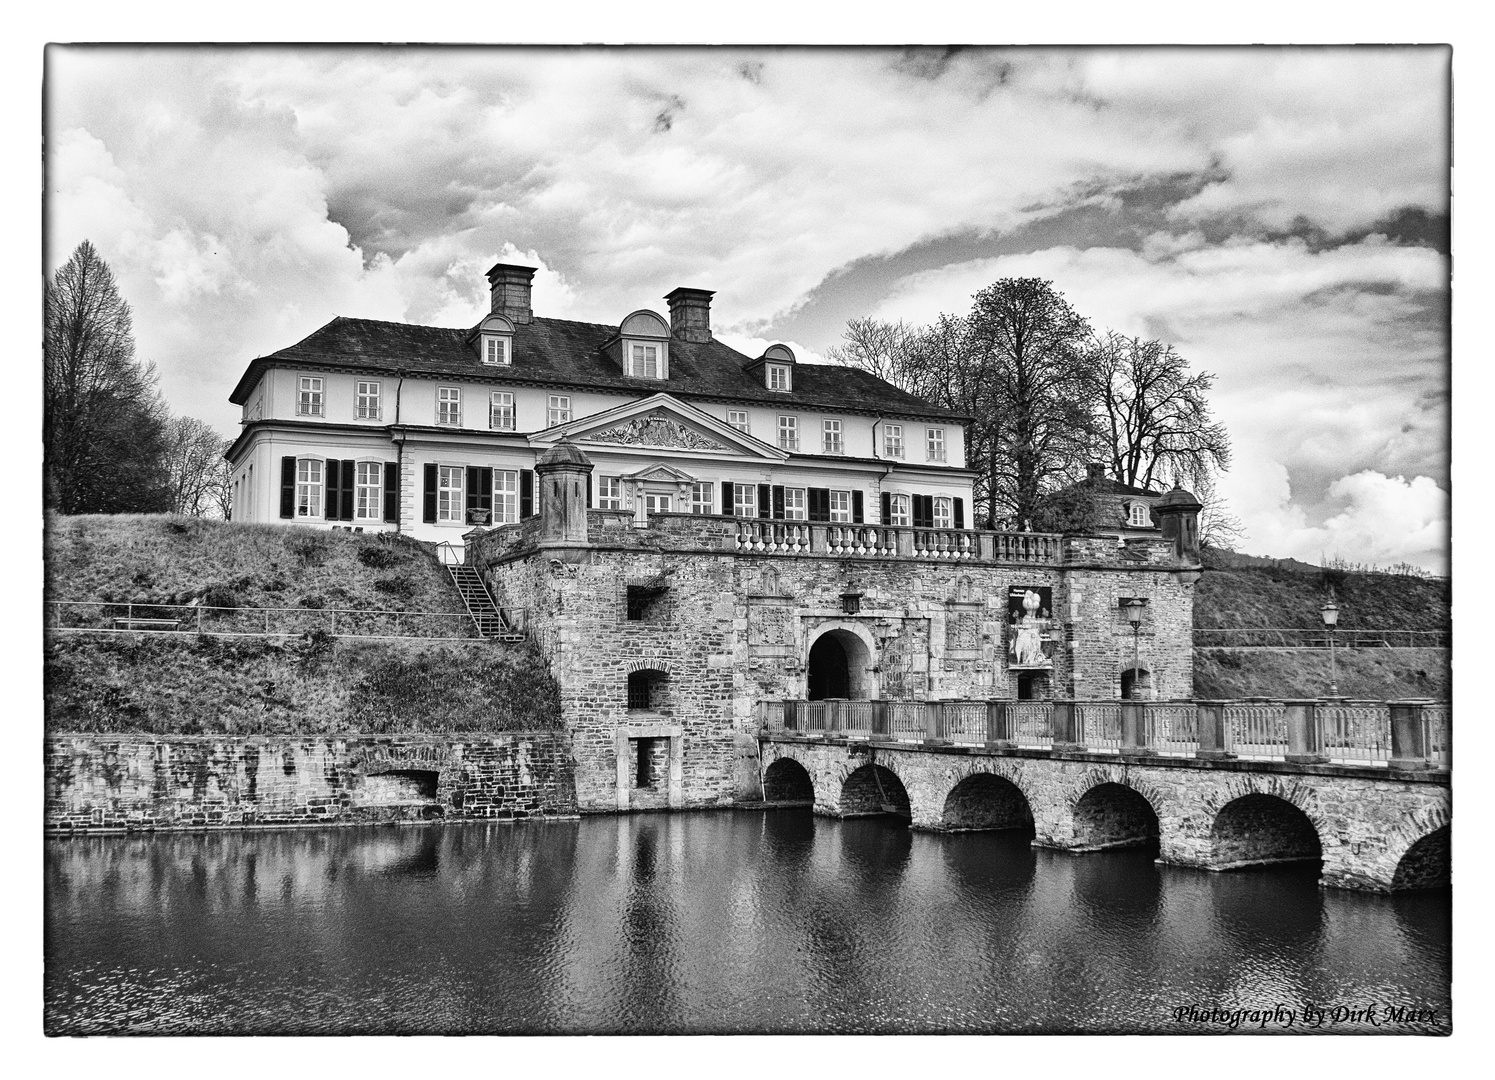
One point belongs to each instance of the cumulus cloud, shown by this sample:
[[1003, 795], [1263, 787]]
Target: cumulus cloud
[[1378, 519]]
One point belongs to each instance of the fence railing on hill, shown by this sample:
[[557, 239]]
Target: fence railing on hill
[[1402, 734], [1267, 637], [102, 617]]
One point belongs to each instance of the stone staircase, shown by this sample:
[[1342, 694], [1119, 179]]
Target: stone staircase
[[486, 616]]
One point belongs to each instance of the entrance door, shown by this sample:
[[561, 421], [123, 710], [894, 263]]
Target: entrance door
[[828, 674], [655, 503]]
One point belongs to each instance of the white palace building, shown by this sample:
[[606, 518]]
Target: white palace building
[[431, 431]]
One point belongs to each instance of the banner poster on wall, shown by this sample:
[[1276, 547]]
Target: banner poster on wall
[[1031, 630]]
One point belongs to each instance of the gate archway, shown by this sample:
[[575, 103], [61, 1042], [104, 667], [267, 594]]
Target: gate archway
[[838, 667]]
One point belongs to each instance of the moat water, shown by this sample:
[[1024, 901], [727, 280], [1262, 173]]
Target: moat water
[[709, 922]]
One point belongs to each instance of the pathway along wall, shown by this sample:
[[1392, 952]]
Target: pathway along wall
[[128, 782], [1370, 830]]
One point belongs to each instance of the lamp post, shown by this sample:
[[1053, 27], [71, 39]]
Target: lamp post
[[1134, 616], [1330, 612]]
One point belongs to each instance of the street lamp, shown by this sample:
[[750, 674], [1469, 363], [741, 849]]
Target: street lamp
[[1134, 616], [1330, 612]]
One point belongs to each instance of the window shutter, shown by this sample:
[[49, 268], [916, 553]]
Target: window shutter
[[960, 513], [348, 491], [331, 475], [820, 503], [765, 501], [479, 495], [778, 500], [887, 507], [287, 487], [923, 511], [428, 497], [392, 492], [728, 501], [856, 508], [526, 493]]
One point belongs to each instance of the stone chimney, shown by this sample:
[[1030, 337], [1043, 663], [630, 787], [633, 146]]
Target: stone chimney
[[690, 314], [511, 288], [1095, 471]]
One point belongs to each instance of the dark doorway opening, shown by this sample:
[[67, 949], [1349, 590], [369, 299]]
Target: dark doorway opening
[[1027, 686], [830, 676]]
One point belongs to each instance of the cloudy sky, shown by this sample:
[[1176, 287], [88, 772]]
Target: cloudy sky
[[1279, 215]]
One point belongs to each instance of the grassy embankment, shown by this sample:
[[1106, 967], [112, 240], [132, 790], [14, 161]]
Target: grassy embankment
[[1239, 591], [308, 683]]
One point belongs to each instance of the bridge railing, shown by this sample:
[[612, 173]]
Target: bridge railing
[[1401, 736], [774, 536]]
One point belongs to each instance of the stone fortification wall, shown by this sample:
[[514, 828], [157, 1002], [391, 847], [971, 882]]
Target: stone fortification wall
[[112, 782], [730, 629]]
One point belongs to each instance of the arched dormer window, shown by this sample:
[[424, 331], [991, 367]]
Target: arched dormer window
[[494, 340], [645, 338], [778, 368], [1140, 515]]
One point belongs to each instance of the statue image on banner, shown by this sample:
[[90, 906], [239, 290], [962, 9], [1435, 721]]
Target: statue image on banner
[[1030, 627]]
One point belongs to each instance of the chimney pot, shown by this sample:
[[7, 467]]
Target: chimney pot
[[690, 314], [510, 286]]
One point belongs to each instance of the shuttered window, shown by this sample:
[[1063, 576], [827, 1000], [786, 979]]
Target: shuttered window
[[370, 492], [505, 496], [308, 488], [744, 500], [943, 513], [449, 493]]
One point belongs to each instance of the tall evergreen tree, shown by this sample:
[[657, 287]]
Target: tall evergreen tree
[[103, 421]]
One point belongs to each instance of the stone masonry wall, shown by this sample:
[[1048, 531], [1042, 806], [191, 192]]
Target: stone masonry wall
[[111, 782], [734, 629]]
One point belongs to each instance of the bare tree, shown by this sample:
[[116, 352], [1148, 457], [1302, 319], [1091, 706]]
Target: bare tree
[[1028, 343], [103, 422], [1218, 527], [223, 485], [194, 458], [1154, 420], [883, 348]]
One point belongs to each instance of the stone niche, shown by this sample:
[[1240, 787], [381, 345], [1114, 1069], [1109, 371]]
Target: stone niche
[[397, 787]]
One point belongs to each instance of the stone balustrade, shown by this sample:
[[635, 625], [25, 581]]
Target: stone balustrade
[[1402, 736]]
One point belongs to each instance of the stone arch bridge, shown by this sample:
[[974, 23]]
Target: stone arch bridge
[[1367, 829]]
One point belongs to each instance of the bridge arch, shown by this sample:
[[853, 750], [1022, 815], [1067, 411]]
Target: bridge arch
[[786, 780], [872, 790], [1111, 814], [1424, 865], [839, 663], [1259, 829], [986, 802]]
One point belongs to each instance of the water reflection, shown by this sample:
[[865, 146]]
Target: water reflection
[[775, 922]]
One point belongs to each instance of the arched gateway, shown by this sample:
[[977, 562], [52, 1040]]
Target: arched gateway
[[839, 666]]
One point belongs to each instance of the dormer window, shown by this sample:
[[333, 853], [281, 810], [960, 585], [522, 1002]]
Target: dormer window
[[644, 342], [777, 363], [494, 341], [1140, 518]]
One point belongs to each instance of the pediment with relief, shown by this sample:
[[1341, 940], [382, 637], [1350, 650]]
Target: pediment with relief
[[654, 430]]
